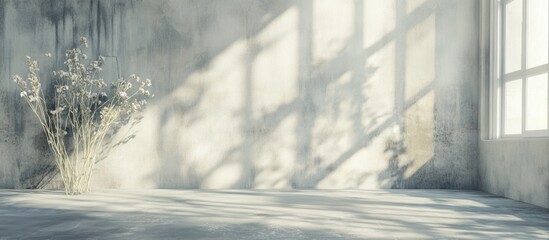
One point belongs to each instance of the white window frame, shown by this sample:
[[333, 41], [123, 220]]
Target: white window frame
[[497, 88]]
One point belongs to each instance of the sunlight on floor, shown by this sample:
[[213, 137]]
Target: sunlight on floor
[[244, 214]]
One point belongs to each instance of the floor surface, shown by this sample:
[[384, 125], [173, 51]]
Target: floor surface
[[249, 214]]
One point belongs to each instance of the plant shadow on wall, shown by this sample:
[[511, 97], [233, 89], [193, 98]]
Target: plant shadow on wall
[[81, 112], [292, 102]]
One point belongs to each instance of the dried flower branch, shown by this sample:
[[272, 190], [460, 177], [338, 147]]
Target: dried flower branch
[[86, 110]]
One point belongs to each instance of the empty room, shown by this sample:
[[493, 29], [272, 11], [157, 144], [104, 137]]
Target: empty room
[[274, 119]]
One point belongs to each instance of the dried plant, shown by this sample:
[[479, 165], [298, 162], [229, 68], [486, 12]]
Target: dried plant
[[86, 110]]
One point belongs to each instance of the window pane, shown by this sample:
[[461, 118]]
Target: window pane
[[537, 21], [536, 102], [513, 36], [513, 107]]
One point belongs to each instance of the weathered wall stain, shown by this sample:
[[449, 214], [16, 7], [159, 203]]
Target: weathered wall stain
[[264, 94]]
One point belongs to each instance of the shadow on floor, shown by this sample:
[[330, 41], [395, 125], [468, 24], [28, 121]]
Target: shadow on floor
[[245, 214]]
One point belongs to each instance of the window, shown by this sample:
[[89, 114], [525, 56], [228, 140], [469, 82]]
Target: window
[[519, 69]]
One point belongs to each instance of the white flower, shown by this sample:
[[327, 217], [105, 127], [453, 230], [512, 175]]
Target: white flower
[[135, 106], [122, 94], [48, 55], [84, 42], [58, 110], [16, 78], [23, 94]]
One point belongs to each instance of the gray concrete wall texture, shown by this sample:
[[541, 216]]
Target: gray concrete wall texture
[[516, 169], [360, 94]]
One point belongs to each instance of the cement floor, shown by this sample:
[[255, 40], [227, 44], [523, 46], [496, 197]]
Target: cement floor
[[248, 214]]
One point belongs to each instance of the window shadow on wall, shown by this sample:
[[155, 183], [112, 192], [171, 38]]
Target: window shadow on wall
[[261, 94]]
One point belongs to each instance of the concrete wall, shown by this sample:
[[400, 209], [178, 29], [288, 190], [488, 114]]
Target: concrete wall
[[517, 169], [265, 94], [514, 168]]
